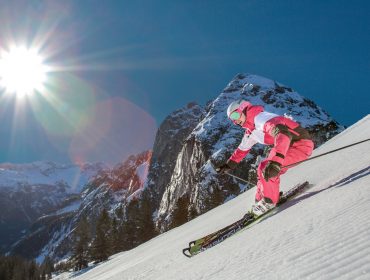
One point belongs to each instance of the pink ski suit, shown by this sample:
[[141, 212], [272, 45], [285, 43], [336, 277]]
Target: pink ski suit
[[291, 143]]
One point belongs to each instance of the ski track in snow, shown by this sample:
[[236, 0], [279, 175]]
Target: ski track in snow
[[323, 233]]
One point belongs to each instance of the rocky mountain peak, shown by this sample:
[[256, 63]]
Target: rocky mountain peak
[[194, 186], [129, 175], [170, 137]]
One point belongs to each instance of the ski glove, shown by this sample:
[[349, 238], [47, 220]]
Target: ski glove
[[225, 168], [271, 170]]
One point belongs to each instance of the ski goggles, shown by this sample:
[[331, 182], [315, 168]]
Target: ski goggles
[[234, 116]]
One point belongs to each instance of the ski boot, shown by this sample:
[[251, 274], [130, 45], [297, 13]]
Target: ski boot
[[262, 206]]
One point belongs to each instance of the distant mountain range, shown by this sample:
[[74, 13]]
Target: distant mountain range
[[30, 191], [49, 231], [41, 203]]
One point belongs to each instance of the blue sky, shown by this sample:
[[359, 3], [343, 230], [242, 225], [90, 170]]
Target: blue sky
[[153, 57]]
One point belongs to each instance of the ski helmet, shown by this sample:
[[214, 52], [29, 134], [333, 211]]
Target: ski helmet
[[239, 106]]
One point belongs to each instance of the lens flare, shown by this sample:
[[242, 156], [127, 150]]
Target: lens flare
[[117, 129], [65, 106]]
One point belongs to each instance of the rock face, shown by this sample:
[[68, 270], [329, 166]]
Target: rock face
[[194, 187], [169, 141]]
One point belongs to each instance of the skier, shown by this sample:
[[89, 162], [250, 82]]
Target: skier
[[291, 143]]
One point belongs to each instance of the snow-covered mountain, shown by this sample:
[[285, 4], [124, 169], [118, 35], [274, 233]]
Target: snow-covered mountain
[[321, 234], [72, 177], [29, 191], [194, 187], [110, 188]]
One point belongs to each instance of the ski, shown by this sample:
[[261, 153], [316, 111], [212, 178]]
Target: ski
[[212, 239]]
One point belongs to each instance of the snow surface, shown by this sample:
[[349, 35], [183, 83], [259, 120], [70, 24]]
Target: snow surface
[[322, 234]]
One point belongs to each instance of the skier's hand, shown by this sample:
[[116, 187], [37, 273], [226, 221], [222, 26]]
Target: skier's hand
[[225, 168], [271, 170]]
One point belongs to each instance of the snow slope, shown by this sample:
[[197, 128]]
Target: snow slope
[[322, 234]]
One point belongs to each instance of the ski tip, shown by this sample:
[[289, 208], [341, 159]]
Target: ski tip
[[187, 253]]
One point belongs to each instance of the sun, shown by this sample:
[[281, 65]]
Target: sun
[[22, 71]]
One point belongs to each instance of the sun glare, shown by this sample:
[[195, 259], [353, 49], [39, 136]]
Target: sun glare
[[22, 71]]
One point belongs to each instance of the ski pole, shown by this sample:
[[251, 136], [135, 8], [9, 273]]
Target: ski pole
[[232, 175], [245, 181], [324, 154], [289, 165]]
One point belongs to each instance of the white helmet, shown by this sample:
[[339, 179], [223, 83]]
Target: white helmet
[[240, 104]]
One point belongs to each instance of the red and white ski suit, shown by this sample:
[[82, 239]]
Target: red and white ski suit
[[291, 143]]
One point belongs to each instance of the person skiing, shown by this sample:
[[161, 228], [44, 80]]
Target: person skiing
[[290, 142]]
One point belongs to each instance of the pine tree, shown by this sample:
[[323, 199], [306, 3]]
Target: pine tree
[[145, 221], [139, 226], [80, 248], [16, 268], [19, 271], [101, 247], [47, 268], [33, 271], [131, 225], [117, 237], [180, 214]]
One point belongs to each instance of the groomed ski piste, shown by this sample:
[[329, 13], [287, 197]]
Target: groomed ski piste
[[324, 233]]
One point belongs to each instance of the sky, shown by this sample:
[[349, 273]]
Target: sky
[[118, 68]]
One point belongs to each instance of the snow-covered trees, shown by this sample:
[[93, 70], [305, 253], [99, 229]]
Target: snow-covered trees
[[80, 257]]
